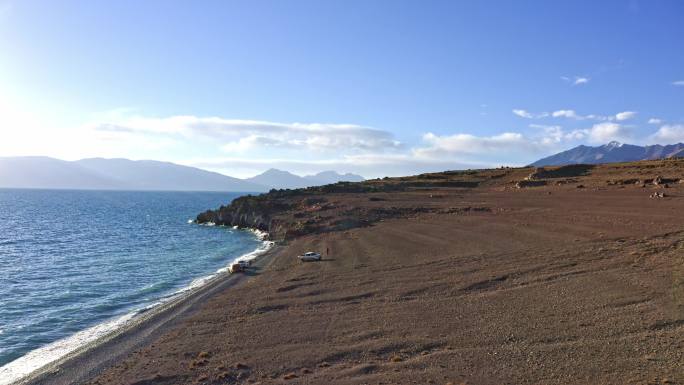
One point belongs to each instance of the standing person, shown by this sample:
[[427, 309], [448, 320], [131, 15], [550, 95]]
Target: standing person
[[327, 251]]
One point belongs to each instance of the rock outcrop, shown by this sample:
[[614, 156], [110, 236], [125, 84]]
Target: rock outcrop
[[286, 214], [256, 212]]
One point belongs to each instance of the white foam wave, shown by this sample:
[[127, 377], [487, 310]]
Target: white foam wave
[[260, 234], [38, 358], [265, 246], [25, 365], [262, 249]]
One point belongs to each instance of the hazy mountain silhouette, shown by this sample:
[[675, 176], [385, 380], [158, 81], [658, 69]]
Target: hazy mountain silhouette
[[125, 174], [113, 174], [275, 178], [327, 177]]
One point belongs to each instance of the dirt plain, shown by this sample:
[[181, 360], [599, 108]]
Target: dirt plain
[[557, 276]]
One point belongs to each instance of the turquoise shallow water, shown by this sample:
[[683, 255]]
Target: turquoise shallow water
[[70, 260]]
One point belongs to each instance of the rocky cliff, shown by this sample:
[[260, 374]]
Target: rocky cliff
[[256, 212], [285, 214]]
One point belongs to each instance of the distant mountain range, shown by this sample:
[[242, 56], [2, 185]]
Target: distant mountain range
[[610, 153], [274, 178], [124, 174]]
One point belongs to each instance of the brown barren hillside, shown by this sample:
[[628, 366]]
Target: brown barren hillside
[[571, 275], [287, 214]]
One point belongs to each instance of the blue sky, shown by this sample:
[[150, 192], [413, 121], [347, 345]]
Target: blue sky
[[373, 87]]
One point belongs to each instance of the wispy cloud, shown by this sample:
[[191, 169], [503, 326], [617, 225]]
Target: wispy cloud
[[523, 114], [655, 121], [467, 144], [433, 153], [608, 131], [576, 80], [555, 134], [668, 134], [245, 147], [243, 135], [679, 83], [626, 115], [528, 115], [346, 147], [570, 114], [597, 134]]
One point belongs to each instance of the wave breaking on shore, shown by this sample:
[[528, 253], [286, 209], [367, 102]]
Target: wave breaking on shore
[[18, 370]]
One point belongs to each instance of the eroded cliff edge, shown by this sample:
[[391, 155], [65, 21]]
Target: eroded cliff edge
[[286, 214]]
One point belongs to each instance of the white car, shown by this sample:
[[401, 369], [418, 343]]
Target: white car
[[310, 257]]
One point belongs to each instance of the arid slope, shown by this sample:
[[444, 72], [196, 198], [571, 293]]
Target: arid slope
[[579, 280]]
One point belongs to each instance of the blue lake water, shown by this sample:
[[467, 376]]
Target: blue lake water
[[70, 260]]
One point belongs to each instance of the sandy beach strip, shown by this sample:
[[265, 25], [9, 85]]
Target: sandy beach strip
[[86, 361]]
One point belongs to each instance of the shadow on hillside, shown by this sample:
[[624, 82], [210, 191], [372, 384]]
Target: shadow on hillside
[[570, 171]]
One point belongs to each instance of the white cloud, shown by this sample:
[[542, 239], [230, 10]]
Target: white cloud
[[544, 126], [523, 114], [507, 147], [576, 80], [252, 146], [528, 115], [246, 147], [576, 135], [436, 152], [607, 132], [668, 134], [626, 115], [243, 135], [655, 121], [570, 114], [467, 144], [554, 134], [678, 83]]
